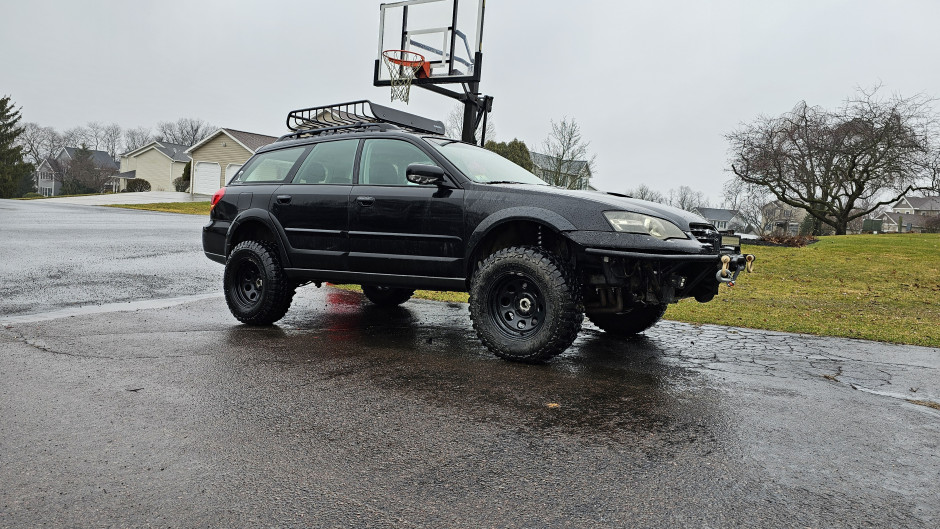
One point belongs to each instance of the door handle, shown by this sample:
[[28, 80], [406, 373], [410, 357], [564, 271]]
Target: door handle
[[283, 199], [365, 201]]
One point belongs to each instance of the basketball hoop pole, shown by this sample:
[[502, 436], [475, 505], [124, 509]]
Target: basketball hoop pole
[[475, 109]]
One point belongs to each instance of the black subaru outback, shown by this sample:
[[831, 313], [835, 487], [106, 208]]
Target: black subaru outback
[[364, 194]]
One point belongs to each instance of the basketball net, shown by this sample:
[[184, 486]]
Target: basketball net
[[402, 67]]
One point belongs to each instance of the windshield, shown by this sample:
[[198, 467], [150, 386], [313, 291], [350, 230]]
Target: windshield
[[481, 165]]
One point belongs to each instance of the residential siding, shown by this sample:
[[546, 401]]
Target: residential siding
[[177, 172], [128, 164], [222, 150], [155, 168]]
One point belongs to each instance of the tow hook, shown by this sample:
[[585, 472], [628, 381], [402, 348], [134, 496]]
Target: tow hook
[[726, 275]]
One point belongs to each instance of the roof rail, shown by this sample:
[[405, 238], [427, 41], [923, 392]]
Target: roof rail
[[355, 114]]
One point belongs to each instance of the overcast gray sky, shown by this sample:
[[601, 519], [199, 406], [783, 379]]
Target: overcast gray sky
[[654, 85]]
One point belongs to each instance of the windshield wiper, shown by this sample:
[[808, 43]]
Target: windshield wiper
[[506, 182]]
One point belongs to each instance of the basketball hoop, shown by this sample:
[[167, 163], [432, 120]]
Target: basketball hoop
[[403, 66]]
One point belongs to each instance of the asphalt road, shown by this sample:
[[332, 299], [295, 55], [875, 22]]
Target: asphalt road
[[130, 397]]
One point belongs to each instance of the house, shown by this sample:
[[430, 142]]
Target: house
[[782, 219], [909, 223], [51, 171], [578, 171], [48, 178], [924, 206], [219, 156], [724, 219], [910, 214], [158, 162]]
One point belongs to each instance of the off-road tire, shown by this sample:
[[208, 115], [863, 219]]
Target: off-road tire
[[256, 289], [629, 323], [387, 296], [551, 317]]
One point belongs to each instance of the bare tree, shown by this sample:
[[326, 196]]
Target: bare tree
[[871, 151], [39, 142], [136, 138], [75, 136], [453, 125], [569, 156], [684, 197], [644, 192], [748, 200], [112, 137], [184, 131], [95, 135]]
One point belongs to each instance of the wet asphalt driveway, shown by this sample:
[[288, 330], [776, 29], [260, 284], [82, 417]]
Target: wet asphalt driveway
[[130, 397]]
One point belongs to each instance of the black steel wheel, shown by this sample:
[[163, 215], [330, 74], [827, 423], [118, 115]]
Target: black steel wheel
[[525, 304], [387, 296], [256, 290], [629, 323]]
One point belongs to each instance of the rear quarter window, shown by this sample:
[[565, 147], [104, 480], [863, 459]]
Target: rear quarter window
[[270, 167]]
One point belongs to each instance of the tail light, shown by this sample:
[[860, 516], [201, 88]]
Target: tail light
[[216, 198]]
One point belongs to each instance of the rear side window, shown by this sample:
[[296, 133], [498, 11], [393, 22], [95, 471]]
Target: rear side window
[[330, 163], [384, 162], [270, 167]]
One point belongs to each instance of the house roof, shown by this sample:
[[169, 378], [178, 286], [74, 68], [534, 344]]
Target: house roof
[[547, 163], [915, 220], [249, 140], [101, 159], [717, 213], [173, 151], [926, 203], [126, 174]]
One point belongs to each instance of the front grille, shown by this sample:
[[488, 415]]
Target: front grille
[[708, 235]]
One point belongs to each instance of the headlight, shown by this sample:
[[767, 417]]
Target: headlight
[[628, 222]]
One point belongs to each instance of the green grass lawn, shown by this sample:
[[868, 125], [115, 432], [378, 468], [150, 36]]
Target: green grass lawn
[[190, 208], [876, 287]]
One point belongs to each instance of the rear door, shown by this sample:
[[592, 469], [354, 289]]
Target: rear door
[[396, 227], [312, 208]]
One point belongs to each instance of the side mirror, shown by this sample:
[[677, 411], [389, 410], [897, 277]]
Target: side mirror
[[424, 174]]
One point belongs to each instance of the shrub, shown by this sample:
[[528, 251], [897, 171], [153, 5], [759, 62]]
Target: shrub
[[31, 195], [137, 184], [793, 241], [932, 224], [181, 184]]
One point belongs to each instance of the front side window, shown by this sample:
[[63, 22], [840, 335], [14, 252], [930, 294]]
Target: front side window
[[384, 162], [272, 167], [330, 163]]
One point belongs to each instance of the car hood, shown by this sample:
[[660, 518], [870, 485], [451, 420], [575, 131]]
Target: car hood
[[616, 202]]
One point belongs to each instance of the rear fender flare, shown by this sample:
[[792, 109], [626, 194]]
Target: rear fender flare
[[265, 218]]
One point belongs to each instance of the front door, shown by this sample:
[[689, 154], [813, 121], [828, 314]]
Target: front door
[[312, 207], [396, 227]]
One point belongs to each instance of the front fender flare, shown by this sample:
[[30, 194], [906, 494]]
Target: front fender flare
[[538, 215]]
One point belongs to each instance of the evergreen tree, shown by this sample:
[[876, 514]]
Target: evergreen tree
[[182, 183], [16, 176], [81, 176], [514, 151]]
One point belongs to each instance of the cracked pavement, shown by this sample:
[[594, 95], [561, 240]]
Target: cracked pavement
[[122, 409]]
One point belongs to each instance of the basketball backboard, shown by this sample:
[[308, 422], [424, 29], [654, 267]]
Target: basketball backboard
[[448, 33]]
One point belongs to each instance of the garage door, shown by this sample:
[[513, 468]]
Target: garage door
[[207, 178], [230, 171]]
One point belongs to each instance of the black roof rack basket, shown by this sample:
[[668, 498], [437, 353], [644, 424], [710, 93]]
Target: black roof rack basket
[[355, 114]]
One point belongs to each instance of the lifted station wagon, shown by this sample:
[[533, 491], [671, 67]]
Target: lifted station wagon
[[364, 194]]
